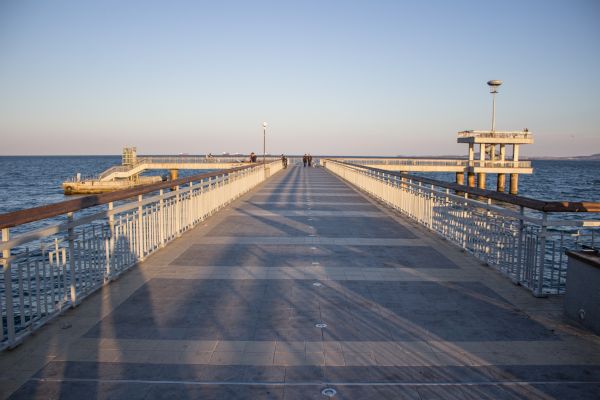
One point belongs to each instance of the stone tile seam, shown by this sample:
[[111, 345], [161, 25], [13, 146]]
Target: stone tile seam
[[315, 383]]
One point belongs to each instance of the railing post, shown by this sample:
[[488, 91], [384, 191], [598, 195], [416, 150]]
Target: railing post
[[10, 317], [539, 290], [190, 206], [111, 242], [520, 238], [177, 212], [71, 240], [140, 229], [161, 218], [489, 233]]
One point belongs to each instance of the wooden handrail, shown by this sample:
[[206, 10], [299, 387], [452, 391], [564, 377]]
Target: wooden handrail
[[25, 216], [539, 205]]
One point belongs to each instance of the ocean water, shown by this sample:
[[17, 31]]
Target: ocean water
[[552, 180], [27, 182]]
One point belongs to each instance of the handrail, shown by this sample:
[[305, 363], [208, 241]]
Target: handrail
[[77, 255], [28, 215], [446, 162], [526, 246], [496, 134], [539, 205]]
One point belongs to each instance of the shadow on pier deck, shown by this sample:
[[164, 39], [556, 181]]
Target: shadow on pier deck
[[230, 310]]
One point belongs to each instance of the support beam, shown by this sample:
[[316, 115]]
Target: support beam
[[481, 180], [173, 174], [501, 183], [514, 184], [460, 178], [471, 179], [515, 152]]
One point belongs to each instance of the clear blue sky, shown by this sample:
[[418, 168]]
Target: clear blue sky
[[337, 77]]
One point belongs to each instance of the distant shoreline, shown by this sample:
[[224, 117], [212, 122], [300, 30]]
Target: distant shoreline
[[593, 157]]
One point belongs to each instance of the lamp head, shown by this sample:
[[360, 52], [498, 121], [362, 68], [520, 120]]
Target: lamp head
[[264, 124], [494, 84]]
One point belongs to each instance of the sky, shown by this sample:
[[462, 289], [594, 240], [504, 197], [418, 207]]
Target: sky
[[329, 77]]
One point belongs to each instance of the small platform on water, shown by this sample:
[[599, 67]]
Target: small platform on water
[[95, 186]]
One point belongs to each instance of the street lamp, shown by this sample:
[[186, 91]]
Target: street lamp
[[494, 84], [264, 141]]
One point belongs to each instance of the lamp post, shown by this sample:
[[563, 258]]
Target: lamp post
[[494, 84], [264, 142]]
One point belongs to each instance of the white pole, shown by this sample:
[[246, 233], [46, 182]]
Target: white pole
[[264, 143], [494, 110]]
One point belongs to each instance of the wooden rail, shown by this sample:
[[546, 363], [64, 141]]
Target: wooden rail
[[20, 217], [539, 205]]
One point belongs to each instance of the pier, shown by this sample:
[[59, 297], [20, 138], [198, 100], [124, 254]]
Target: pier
[[493, 159], [293, 284]]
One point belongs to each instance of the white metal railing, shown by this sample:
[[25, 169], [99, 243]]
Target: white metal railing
[[524, 244], [198, 159], [437, 162], [150, 162], [53, 267], [115, 169], [499, 164], [497, 134]]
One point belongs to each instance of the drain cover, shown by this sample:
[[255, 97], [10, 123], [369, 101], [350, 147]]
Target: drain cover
[[329, 392], [317, 284], [321, 326], [316, 263]]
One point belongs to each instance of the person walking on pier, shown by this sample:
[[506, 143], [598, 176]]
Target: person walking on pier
[[284, 161], [309, 160], [252, 157], [305, 159]]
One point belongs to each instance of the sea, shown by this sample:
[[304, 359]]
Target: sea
[[30, 181]]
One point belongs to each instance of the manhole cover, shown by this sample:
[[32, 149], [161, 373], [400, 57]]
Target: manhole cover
[[317, 284], [321, 326], [65, 325], [329, 392]]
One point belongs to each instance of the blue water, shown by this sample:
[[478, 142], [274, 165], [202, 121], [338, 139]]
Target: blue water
[[27, 182], [552, 180], [33, 181]]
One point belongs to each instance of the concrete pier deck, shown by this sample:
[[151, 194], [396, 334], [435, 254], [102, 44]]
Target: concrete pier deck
[[230, 311]]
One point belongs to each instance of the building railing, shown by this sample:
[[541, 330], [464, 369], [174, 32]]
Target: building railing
[[54, 256], [199, 159], [437, 162], [147, 161], [497, 134], [116, 169], [499, 164], [516, 235]]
